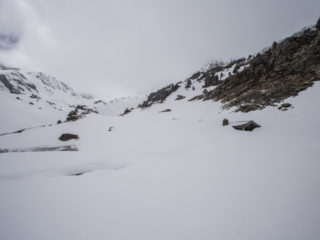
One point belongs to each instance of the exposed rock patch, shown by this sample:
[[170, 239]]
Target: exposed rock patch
[[166, 110], [100, 101], [159, 96], [249, 126], [284, 106], [79, 112], [126, 111], [180, 97], [68, 136]]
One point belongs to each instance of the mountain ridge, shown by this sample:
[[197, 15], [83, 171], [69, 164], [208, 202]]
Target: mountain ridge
[[253, 83]]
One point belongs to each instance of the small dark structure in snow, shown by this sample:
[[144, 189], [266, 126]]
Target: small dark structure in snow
[[225, 122], [68, 136], [249, 126]]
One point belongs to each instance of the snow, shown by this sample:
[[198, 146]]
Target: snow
[[173, 175]]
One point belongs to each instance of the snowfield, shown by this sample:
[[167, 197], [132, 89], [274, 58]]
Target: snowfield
[[175, 175]]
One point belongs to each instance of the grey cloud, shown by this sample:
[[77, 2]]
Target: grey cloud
[[8, 41], [10, 24]]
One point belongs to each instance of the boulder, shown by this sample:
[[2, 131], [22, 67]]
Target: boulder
[[68, 136], [249, 126]]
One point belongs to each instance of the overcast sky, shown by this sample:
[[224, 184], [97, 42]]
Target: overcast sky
[[118, 47]]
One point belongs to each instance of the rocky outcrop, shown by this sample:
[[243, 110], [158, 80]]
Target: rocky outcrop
[[266, 79], [249, 126], [159, 96], [68, 136], [126, 111], [280, 72], [79, 112], [15, 83]]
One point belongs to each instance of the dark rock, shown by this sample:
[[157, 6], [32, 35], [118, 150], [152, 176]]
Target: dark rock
[[284, 106], [249, 126], [275, 44], [34, 96], [198, 97], [318, 24], [68, 136], [188, 84], [51, 103], [195, 75], [211, 80], [59, 122], [78, 173], [31, 103], [205, 92], [225, 122], [110, 129], [79, 112], [20, 131], [180, 97], [126, 111], [8, 85], [99, 101], [166, 110]]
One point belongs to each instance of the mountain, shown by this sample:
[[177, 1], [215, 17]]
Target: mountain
[[32, 98], [172, 165], [255, 82]]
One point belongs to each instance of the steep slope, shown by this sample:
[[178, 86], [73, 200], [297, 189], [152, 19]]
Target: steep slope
[[252, 83], [31, 99]]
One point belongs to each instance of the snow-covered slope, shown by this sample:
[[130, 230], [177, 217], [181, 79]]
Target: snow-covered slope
[[118, 105], [169, 169], [32, 98], [172, 175]]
